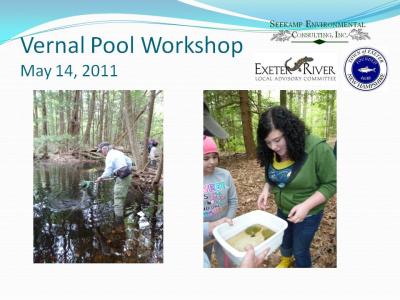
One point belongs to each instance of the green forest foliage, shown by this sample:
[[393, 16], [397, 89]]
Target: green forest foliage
[[317, 108], [55, 109]]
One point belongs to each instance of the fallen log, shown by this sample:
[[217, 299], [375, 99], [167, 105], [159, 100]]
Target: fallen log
[[90, 155]]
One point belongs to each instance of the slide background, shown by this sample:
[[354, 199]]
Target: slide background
[[368, 163]]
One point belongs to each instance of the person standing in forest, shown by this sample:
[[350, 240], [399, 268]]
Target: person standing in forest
[[300, 170], [149, 145], [153, 154], [120, 166], [219, 197]]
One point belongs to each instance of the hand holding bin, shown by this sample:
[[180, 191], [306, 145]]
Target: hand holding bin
[[251, 223]]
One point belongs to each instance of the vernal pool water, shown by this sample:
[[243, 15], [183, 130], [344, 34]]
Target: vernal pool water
[[252, 235], [73, 225]]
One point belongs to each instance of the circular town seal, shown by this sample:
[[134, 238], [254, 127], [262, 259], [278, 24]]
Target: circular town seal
[[365, 69]]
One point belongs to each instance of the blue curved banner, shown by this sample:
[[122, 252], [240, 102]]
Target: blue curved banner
[[19, 16]]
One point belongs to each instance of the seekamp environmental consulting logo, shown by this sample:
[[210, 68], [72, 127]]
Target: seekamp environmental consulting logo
[[365, 69]]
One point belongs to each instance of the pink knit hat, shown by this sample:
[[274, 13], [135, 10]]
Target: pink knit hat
[[209, 146]]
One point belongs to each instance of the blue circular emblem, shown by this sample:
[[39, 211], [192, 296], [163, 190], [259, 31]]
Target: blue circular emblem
[[365, 69]]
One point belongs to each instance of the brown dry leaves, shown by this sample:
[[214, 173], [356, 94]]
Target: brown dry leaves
[[249, 181]]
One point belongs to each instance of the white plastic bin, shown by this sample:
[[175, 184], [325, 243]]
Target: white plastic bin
[[225, 231]]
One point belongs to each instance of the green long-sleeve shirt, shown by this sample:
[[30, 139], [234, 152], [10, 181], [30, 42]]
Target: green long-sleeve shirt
[[317, 173]]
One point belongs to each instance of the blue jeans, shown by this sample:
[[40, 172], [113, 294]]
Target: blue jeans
[[297, 239]]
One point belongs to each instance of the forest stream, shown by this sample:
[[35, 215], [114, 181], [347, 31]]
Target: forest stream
[[74, 220]]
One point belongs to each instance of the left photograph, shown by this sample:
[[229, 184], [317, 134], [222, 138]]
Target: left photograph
[[98, 176]]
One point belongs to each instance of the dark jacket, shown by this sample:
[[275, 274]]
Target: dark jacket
[[316, 172]]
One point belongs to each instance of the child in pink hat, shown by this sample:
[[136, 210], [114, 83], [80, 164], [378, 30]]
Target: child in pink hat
[[220, 198]]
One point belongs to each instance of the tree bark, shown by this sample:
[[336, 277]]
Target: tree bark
[[282, 98], [44, 123], [247, 125], [75, 122], [148, 124], [311, 119], [92, 103], [106, 128], [35, 116], [50, 115], [329, 115], [159, 169], [68, 109], [305, 99], [259, 103], [81, 111], [291, 100], [61, 118], [121, 124], [101, 119], [127, 103], [298, 108], [123, 135]]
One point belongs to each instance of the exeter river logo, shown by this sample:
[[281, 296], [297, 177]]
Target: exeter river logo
[[366, 69], [302, 69]]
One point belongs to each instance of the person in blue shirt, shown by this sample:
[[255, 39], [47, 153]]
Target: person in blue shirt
[[118, 165]]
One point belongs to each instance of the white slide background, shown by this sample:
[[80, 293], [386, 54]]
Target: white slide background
[[368, 162]]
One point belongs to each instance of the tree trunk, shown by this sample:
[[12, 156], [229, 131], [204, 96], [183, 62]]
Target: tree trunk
[[119, 139], [101, 118], [291, 100], [68, 109], [311, 119], [111, 126], [127, 118], [106, 128], [75, 121], [159, 169], [92, 103], [35, 116], [81, 111], [61, 118], [49, 107], [327, 114], [44, 123], [305, 99], [148, 124], [247, 125], [298, 108], [331, 97], [93, 135], [119, 120], [259, 103], [282, 98]]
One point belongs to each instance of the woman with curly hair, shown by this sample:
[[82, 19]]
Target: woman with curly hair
[[300, 171]]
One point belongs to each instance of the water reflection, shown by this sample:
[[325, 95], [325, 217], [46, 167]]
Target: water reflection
[[71, 225]]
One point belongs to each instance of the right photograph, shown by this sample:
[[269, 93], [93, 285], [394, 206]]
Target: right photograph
[[269, 179]]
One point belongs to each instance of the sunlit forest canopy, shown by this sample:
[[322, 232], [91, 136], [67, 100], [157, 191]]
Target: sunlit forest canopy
[[238, 113], [68, 119]]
